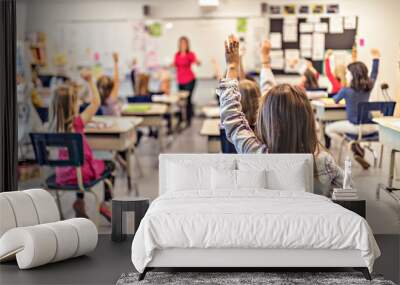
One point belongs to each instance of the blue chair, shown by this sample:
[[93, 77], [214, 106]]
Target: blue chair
[[45, 143], [139, 99], [83, 106], [364, 116], [43, 113]]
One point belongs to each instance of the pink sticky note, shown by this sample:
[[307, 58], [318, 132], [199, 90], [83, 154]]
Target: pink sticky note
[[96, 56], [362, 42]]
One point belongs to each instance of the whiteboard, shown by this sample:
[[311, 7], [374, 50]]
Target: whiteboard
[[207, 41], [79, 40]]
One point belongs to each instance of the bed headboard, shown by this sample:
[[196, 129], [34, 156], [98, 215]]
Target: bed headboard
[[284, 161]]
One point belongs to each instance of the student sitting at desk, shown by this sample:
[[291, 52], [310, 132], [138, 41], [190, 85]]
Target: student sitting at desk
[[109, 90], [64, 117], [358, 90], [285, 122], [338, 79]]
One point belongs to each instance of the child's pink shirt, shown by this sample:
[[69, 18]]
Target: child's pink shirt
[[91, 169]]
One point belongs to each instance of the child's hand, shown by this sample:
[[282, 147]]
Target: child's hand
[[232, 52], [375, 53], [86, 75], [115, 56], [265, 49], [328, 54]]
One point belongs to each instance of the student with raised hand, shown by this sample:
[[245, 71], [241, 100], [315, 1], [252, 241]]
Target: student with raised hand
[[359, 87], [309, 77], [285, 121], [109, 91], [338, 79], [65, 118]]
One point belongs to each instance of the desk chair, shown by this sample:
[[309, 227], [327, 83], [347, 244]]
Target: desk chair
[[364, 116], [44, 142], [139, 99], [43, 113], [83, 106]]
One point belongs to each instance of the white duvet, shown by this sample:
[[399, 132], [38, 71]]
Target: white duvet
[[250, 219]]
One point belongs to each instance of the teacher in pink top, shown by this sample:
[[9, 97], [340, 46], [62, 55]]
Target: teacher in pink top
[[183, 61]]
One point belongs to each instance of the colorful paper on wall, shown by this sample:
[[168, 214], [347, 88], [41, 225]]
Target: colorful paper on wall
[[241, 25], [275, 10], [155, 29], [289, 9]]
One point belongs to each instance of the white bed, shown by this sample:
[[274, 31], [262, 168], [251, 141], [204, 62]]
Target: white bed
[[202, 220]]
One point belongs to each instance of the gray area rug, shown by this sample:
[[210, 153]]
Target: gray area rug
[[225, 278]]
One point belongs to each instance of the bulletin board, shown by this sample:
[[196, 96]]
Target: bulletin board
[[334, 41]]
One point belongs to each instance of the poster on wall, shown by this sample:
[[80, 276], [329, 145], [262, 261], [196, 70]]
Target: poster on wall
[[318, 46], [317, 9], [336, 25], [304, 9], [275, 10], [350, 22], [154, 29], [321, 27], [276, 40], [277, 59], [306, 28], [290, 29], [241, 25], [292, 58], [289, 9], [332, 8]]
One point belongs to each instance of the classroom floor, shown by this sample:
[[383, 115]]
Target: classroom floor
[[105, 265]]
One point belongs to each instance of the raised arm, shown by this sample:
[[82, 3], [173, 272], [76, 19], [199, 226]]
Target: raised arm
[[375, 64], [267, 79], [328, 69], [115, 91], [94, 105], [233, 119]]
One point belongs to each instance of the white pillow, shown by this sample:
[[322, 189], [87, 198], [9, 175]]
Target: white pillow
[[251, 179], [231, 180], [280, 174], [293, 180], [186, 178], [223, 179]]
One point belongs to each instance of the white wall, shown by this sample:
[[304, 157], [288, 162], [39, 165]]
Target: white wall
[[379, 21]]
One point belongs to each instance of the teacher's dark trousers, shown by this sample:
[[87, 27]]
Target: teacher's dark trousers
[[189, 108]]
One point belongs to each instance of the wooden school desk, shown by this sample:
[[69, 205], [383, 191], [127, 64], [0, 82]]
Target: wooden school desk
[[326, 110], [118, 134], [177, 101], [389, 135], [210, 129], [153, 116], [211, 111]]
